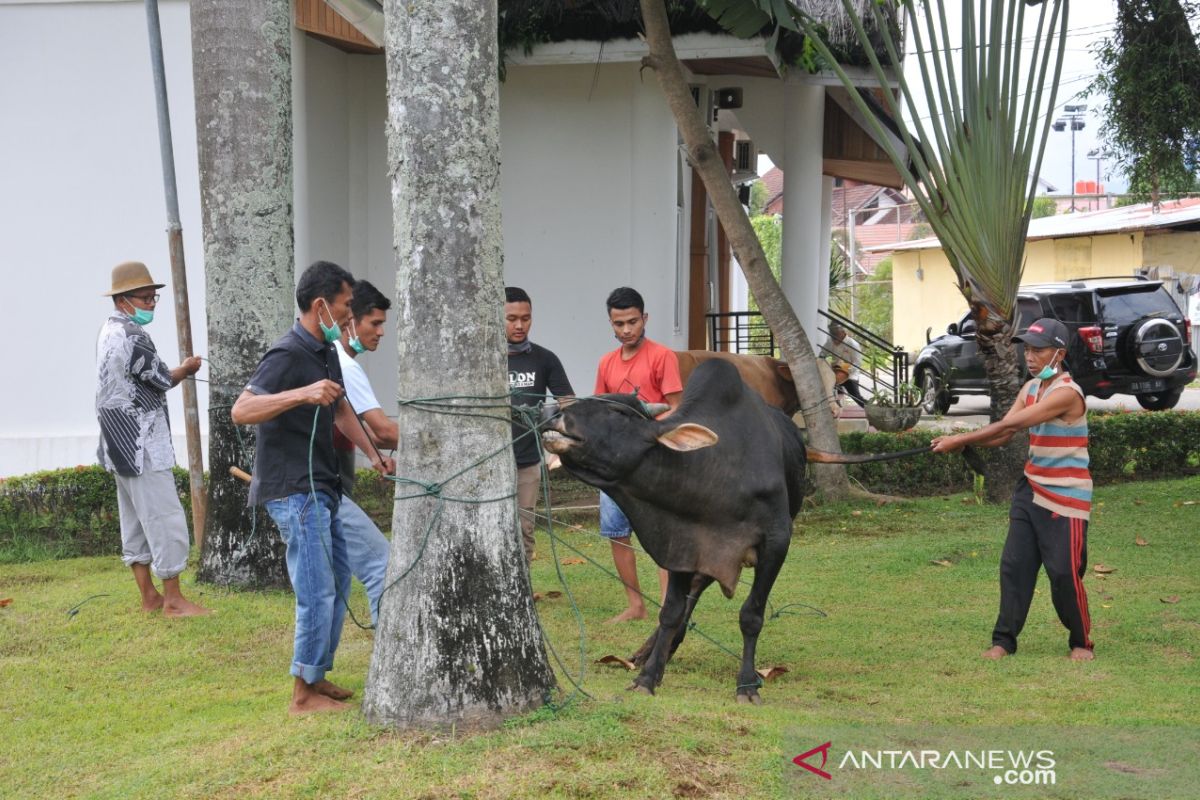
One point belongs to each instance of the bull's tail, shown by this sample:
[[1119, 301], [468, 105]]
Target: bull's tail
[[821, 457]]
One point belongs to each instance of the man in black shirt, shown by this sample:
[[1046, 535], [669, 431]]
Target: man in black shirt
[[294, 399], [532, 370]]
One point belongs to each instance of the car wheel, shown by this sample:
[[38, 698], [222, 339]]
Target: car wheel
[[1160, 401], [933, 399]]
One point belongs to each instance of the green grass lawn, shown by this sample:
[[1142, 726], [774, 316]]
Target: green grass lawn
[[112, 703]]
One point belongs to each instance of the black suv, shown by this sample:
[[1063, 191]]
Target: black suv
[[1131, 339]]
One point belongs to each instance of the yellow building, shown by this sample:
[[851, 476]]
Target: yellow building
[[1116, 241]]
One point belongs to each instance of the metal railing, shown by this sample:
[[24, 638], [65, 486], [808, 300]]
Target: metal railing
[[747, 332], [740, 332], [894, 370]]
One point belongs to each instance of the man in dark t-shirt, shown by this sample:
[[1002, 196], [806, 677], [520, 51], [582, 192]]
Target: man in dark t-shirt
[[532, 370], [294, 399]]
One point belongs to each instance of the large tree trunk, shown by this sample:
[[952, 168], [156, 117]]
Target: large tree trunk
[[458, 642], [1001, 467], [241, 65], [777, 312]]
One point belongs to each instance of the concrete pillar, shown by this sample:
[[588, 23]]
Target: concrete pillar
[[826, 244], [804, 122]]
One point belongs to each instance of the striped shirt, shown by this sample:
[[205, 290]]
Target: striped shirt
[[1057, 468]]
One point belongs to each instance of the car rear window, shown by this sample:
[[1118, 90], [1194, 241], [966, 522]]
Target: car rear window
[[1129, 305], [1073, 307]]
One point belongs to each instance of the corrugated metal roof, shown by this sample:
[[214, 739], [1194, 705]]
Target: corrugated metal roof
[[1139, 217]]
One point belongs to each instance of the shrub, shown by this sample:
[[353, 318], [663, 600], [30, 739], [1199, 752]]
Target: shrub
[[65, 513], [73, 512]]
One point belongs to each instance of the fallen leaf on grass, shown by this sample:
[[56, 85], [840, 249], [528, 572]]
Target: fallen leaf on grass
[[771, 672], [1106, 605], [1100, 569], [566, 562], [1172, 600], [6, 602], [553, 594], [1188, 503], [942, 562], [624, 662], [1140, 542], [856, 513], [1139, 502]]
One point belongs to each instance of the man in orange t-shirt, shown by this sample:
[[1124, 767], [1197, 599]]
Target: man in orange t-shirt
[[652, 371]]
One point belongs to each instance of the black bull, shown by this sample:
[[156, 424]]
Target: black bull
[[712, 488]]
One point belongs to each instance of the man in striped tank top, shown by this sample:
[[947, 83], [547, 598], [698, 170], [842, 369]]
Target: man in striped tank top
[[1048, 520]]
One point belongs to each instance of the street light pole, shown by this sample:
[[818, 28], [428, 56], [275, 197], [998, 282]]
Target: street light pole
[[1073, 116], [1097, 156]]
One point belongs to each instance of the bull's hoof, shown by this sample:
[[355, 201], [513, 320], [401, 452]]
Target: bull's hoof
[[749, 698], [637, 687]]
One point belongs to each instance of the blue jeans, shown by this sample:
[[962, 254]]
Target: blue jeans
[[320, 574], [613, 522], [367, 551]]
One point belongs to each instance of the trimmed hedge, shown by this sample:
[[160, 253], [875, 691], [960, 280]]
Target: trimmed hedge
[[73, 512], [66, 513]]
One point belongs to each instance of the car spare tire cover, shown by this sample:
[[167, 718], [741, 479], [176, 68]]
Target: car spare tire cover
[[1156, 346]]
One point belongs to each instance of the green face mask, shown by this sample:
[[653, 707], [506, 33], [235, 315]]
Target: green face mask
[[140, 315], [331, 334], [355, 343], [1047, 371]]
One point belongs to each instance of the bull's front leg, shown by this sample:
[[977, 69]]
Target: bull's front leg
[[670, 619], [770, 560], [699, 584]]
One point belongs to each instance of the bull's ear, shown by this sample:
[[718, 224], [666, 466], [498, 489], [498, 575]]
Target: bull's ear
[[688, 436]]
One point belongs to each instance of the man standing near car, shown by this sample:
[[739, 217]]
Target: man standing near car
[[1048, 520], [532, 370]]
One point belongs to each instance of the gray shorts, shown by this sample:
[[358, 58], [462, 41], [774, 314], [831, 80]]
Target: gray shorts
[[153, 528]]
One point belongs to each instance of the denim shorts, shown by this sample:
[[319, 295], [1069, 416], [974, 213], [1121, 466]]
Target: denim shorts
[[613, 522]]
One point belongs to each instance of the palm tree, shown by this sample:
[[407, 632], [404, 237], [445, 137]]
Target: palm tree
[[973, 156], [458, 643]]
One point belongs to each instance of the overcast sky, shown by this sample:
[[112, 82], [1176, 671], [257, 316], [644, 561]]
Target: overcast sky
[[1089, 22]]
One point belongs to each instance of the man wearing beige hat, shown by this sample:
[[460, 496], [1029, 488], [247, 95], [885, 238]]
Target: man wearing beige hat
[[135, 441]]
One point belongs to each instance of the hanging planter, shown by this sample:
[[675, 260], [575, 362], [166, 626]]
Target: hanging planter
[[894, 412]]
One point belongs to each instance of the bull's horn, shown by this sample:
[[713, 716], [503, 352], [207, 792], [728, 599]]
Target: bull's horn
[[654, 409]]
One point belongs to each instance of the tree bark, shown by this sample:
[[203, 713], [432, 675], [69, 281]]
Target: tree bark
[[1001, 467], [706, 162], [241, 66], [458, 641]]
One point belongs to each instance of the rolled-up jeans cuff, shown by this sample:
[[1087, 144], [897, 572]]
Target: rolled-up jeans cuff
[[129, 561], [307, 673], [167, 574]]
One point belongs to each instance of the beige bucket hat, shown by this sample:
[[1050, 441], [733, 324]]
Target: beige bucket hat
[[130, 276]]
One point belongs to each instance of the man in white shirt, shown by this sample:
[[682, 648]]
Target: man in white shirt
[[847, 355], [366, 547]]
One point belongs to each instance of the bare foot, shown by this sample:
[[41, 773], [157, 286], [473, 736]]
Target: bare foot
[[315, 703], [995, 652], [154, 603], [1081, 654], [184, 608], [332, 690], [627, 615]]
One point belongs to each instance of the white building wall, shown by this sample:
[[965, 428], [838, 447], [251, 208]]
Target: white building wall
[[80, 191], [589, 183]]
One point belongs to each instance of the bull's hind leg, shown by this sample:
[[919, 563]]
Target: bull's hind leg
[[770, 560], [699, 584], [670, 620]]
